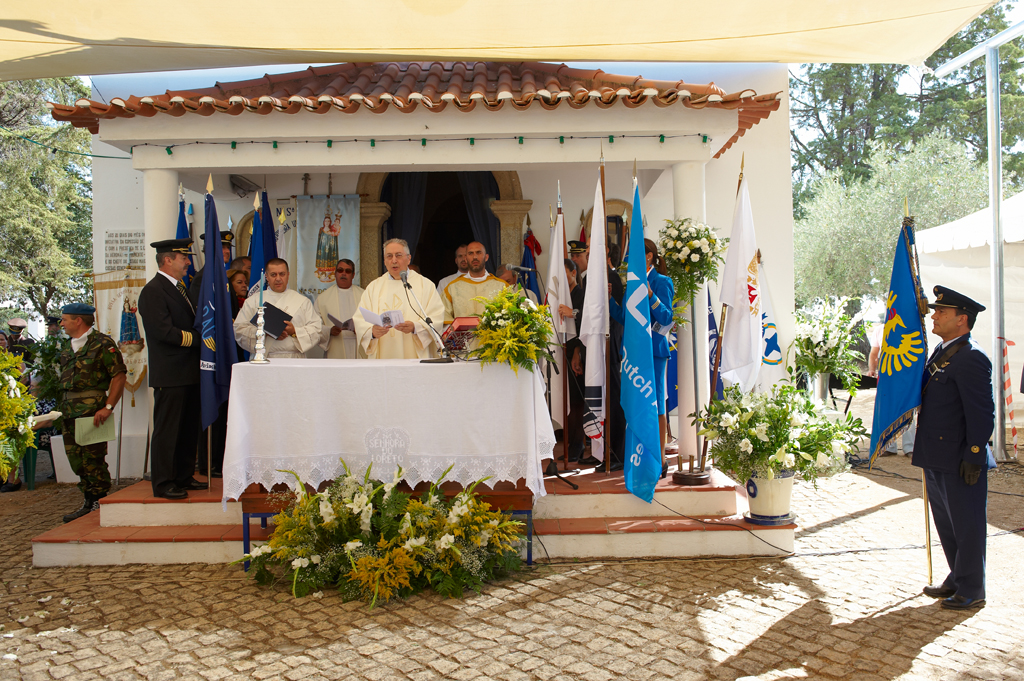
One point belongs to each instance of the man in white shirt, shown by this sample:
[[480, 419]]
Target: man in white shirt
[[341, 302], [300, 334], [461, 262], [411, 338]]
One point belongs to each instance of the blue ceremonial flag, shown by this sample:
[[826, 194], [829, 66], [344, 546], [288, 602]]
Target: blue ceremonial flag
[[182, 233], [713, 348], [262, 244], [214, 324], [902, 357], [638, 395], [529, 279]]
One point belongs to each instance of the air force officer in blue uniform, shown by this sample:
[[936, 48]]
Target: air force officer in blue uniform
[[955, 423]]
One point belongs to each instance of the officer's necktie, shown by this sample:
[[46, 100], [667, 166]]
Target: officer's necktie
[[182, 290]]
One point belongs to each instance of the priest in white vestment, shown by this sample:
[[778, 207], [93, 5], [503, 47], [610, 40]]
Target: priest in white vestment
[[411, 338], [301, 333], [340, 302]]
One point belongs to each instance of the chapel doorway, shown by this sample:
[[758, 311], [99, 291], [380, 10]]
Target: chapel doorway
[[446, 226]]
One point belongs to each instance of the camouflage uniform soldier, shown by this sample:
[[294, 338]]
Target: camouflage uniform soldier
[[92, 365]]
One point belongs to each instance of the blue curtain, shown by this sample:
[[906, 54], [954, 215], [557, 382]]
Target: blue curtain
[[407, 198], [479, 188]]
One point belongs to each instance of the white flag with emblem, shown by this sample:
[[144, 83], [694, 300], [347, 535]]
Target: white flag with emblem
[[741, 337], [773, 357], [594, 328]]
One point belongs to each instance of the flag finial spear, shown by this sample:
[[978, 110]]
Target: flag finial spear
[[181, 191], [551, 218], [559, 195], [209, 184], [906, 207], [256, 201], [634, 169], [743, 160], [602, 152]]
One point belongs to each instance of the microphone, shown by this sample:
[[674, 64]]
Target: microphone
[[405, 278], [516, 268]]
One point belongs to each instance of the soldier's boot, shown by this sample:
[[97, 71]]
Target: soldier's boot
[[88, 506]]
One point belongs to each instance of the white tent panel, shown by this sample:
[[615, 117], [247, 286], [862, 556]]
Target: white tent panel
[[967, 270], [975, 229], [70, 37]]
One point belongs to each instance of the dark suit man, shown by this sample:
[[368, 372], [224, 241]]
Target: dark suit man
[[173, 371], [955, 421]]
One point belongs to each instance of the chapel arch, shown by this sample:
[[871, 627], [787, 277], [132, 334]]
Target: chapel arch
[[510, 208]]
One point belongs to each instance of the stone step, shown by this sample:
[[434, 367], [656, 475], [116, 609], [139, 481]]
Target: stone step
[[86, 542], [658, 537], [135, 506], [602, 495]]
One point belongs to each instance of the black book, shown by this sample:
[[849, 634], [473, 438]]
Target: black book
[[273, 320]]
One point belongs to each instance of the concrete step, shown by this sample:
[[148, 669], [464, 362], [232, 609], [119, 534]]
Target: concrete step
[[135, 506], [658, 537], [86, 542], [602, 495]]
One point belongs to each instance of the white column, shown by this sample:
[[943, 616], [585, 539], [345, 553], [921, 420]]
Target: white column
[[159, 210], [688, 197]]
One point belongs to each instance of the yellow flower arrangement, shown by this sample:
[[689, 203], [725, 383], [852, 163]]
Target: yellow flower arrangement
[[375, 543], [513, 330], [16, 409]]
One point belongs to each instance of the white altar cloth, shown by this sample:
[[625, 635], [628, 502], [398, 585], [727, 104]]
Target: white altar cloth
[[305, 415]]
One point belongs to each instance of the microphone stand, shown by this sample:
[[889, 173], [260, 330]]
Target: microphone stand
[[445, 358]]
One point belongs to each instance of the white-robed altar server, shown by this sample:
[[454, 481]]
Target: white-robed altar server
[[300, 334], [341, 302], [410, 339]]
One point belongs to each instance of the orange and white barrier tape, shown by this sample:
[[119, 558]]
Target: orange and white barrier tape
[[1008, 389]]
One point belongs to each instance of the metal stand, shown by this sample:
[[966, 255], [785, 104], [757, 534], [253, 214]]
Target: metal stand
[[260, 357]]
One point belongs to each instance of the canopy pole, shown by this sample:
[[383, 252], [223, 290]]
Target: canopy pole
[[995, 192]]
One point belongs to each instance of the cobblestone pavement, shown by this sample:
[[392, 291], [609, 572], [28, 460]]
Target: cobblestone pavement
[[848, 605]]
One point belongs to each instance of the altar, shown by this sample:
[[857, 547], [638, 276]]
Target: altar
[[307, 416]]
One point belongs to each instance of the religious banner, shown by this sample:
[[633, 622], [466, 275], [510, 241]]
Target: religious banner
[[327, 230], [117, 306]]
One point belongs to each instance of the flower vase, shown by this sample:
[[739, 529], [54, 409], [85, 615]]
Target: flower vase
[[769, 500], [819, 387]]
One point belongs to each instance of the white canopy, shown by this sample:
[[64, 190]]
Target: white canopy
[[956, 255], [975, 230], [69, 37]]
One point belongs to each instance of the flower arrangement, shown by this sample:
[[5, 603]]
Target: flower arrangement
[[376, 543], [824, 335], [513, 330], [764, 434], [693, 253], [17, 407], [46, 369]]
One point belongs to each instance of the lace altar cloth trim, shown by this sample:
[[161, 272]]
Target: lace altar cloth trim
[[416, 469]]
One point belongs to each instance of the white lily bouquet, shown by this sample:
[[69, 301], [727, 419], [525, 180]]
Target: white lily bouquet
[[376, 543], [824, 336], [693, 253], [765, 434]]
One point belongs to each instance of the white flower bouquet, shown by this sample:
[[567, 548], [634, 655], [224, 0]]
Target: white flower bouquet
[[693, 253], [764, 434], [824, 336], [376, 543]]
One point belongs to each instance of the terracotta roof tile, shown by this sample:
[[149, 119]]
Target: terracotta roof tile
[[406, 86]]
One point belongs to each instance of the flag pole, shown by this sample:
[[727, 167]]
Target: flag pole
[[909, 222], [607, 337], [565, 354], [721, 339]]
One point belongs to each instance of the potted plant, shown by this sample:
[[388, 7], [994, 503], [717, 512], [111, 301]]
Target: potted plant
[[693, 253], [17, 407], [825, 335], [769, 438]]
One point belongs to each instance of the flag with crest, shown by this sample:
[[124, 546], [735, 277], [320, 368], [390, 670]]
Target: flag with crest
[[902, 356]]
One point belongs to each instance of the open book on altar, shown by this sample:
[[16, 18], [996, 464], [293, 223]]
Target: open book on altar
[[459, 333]]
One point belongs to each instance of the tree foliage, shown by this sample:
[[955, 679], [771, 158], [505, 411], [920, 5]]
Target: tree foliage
[[840, 110], [846, 242], [45, 199]]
